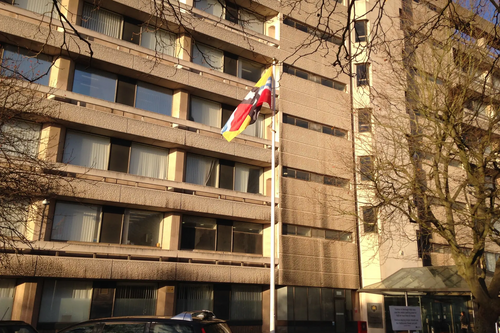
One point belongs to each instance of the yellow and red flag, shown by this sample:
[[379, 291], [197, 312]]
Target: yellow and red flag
[[247, 111]]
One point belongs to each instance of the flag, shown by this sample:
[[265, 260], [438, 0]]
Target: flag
[[247, 111]]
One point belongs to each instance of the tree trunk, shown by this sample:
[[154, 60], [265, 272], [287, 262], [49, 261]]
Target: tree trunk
[[484, 321]]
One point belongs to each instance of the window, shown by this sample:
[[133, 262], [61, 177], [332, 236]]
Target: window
[[20, 138], [7, 291], [14, 222], [295, 230], [205, 112], [246, 302], [366, 167], [115, 299], [313, 77], [232, 13], [65, 301], [315, 126], [313, 304], [209, 171], [226, 62], [491, 260], [115, 225], [128, 29], [194, 296], [99, 152], [362, 75], [364, 120], [37, 6], [202, 233], [360, 28], [132, 299], [369, 219], [214, 114], [312, 30], [26, 65], [309, 176], [113, 88]]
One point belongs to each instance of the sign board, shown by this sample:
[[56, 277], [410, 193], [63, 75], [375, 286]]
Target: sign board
[[375, 315], [405, 318]]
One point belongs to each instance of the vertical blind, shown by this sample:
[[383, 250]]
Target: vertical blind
[[101, 20], [205, 112], [88, 150], [74, 222], [200, 170], [65, 301], [149, 161]]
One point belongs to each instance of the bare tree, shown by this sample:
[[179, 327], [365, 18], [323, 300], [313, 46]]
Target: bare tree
[[435, 144]]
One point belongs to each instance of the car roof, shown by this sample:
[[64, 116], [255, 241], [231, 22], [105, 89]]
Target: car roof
[[13, 322]]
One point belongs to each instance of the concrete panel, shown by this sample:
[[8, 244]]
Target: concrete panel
[[203, 273], [141, 270], [152, 198], [295, 245]]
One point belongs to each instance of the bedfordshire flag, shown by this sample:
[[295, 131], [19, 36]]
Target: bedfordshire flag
[[247, 112]]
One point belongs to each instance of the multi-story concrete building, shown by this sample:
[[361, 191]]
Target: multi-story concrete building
[[164, 215]]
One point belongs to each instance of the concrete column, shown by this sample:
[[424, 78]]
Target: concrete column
[[171, 232], [61, 74], [51, 142], [165, 304], [27, 302], [180, 104], [184, 47], [176, 161], [70, 8], [265, 310]]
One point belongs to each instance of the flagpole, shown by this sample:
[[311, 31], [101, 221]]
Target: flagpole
[[273, 166]]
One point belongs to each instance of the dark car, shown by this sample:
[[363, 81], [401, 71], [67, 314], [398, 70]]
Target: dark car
[[186, 322], [16, 326]]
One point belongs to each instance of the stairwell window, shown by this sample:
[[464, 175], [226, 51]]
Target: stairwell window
[[369, 219], [360, 29], [366, 167], [362, 75], [364, 120]]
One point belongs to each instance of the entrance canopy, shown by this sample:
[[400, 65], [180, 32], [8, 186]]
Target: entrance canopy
[[420, 281]]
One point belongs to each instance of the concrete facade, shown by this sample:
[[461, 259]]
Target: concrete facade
[[316, 247]]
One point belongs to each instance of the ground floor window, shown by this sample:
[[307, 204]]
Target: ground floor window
[[233, 302], [7, 291], [68, 301]]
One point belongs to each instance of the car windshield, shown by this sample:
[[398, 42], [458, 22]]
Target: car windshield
[[16, 328], [217, 328]]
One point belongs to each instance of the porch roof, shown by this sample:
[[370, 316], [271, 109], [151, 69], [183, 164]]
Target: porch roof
[[421, 280]]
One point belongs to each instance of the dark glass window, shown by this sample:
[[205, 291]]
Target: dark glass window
[[362, 75], [369, 219], [23, 64], [360, 28], [366, 167], [364, 120], [201, 233]]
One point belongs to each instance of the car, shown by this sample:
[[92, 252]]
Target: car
[[202, 321], [16, 326]]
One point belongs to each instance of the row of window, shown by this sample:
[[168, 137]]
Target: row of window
[[313, 77], [314, 177], [312, 30], [117, 225], [111, 87], [68, 301], [287, 119], [104, 153], [297, 230]]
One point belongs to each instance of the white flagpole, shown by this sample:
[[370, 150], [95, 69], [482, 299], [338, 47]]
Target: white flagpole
[[273, 195]]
